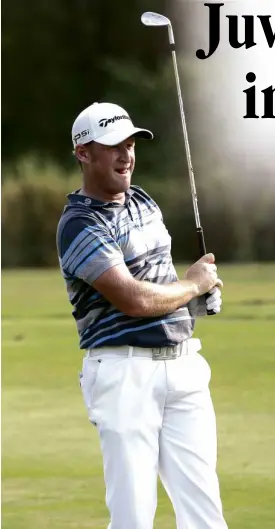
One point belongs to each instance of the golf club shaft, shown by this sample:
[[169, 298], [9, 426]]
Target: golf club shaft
[[200, 234], [201, 241]]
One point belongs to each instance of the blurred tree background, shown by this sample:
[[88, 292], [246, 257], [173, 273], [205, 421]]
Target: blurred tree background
[[58, 58]]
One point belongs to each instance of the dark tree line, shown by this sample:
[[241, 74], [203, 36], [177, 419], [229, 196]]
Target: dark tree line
[[58, 57]]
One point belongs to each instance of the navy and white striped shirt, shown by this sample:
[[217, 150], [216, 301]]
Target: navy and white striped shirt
[[92, 237]]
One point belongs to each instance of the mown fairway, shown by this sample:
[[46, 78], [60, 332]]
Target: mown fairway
[[52, 473]]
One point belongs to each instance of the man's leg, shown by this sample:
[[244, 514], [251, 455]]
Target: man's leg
[[188, 446], [127, 408]]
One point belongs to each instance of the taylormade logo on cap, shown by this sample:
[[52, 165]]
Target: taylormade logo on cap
[[105, 123]]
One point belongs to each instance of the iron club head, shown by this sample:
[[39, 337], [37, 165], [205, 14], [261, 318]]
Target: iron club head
[[154, 19]]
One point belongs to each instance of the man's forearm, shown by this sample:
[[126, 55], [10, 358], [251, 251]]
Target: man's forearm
[[152, 299], [144, 298]]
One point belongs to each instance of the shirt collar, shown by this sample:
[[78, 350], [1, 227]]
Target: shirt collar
[[77, 198]]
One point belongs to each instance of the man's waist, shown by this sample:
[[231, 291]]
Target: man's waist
[[139, 332], [187, 347]]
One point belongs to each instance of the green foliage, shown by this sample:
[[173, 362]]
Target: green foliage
[[59, 57], [31, 207], [33, 198], [55, 62]]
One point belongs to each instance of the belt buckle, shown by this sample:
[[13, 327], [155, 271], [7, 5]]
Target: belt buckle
[[165, 353]]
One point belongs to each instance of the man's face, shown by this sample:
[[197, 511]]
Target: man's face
[[110, 168]]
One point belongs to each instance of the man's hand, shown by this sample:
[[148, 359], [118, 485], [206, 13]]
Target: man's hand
[[203, 274]]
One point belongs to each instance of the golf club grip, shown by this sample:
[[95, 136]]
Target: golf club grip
[[202, 249]]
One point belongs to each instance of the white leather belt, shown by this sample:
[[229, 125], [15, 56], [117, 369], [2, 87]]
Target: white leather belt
[[190, 346]]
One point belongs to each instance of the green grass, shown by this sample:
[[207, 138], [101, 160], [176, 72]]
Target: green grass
[[51, 464]]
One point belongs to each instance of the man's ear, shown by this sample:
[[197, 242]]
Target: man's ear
[[82, 154]]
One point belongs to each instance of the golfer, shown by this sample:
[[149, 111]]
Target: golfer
[[144, 382]]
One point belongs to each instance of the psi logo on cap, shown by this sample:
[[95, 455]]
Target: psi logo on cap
[[80, 135]]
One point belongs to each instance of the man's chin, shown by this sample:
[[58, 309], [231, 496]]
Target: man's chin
[[123, 180]]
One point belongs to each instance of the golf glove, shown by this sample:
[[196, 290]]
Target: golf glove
[[199, 306], [214, 301]]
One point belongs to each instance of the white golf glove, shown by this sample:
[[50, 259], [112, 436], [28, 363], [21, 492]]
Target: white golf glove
[[214, 301], [199, 306]]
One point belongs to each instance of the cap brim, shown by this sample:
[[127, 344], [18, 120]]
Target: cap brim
[[116, 137]]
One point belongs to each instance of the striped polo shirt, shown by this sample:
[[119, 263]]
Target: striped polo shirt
[[92, 237]]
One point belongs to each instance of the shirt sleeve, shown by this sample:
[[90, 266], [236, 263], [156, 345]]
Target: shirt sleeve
[[87, 250]]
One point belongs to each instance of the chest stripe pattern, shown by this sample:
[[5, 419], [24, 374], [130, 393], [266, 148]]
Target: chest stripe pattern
[[92, 237]]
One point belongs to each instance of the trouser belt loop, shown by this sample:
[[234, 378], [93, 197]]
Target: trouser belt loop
[[130, 351], [184, 347]]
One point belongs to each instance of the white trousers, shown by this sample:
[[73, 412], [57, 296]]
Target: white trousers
[[155, 418]]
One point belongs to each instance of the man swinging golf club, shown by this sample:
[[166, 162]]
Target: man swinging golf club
[[144, 383]]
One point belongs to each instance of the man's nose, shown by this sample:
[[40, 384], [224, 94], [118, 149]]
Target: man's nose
[[124, 154]]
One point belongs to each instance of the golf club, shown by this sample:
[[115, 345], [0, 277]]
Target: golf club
[[155, 19]]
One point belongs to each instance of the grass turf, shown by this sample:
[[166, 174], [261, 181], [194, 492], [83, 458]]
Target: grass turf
[[51, 465]]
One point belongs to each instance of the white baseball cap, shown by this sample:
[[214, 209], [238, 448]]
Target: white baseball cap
[[105, 123]]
